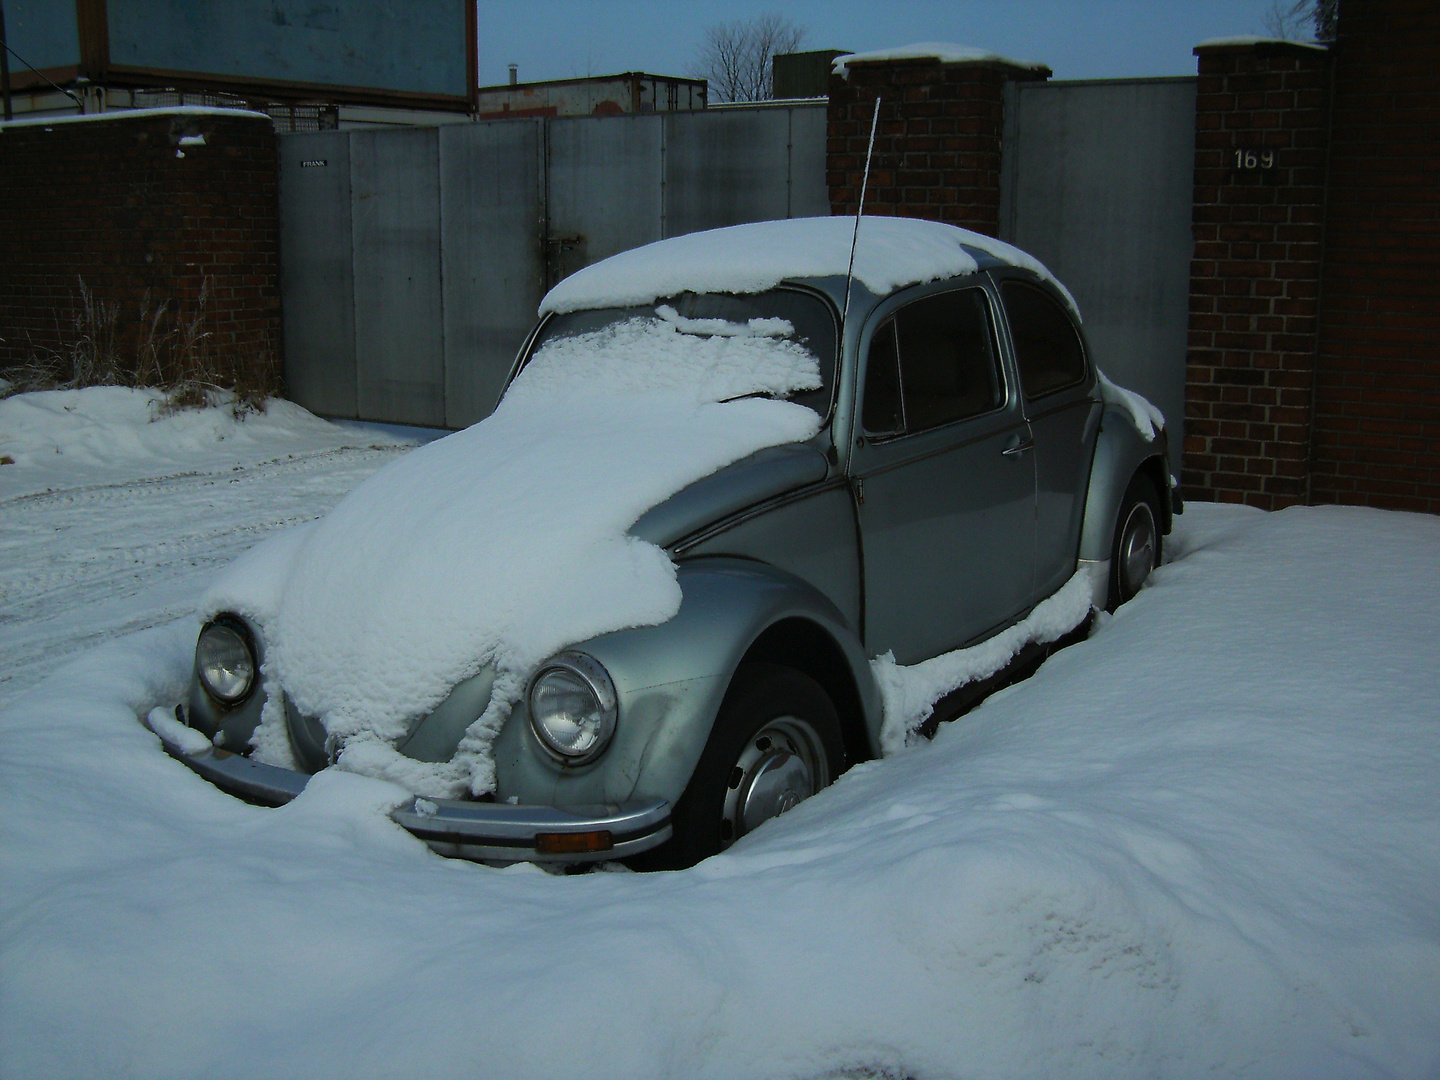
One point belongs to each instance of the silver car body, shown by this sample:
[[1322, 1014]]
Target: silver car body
[[815, 556]]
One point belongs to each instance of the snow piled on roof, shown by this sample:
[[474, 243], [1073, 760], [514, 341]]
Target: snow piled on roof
[[943, 51], [890, 253], [502, 544]]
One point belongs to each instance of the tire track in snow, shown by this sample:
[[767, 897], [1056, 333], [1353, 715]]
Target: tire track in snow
[[81, 565]]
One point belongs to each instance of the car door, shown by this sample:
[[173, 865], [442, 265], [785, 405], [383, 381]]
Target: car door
[[943, 476], [1057, 385]]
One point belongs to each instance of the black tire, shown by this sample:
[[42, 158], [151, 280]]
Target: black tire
[[1137, 546], [776, 741]]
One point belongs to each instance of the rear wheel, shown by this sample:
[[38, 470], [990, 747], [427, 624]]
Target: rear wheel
[[1137, 545], [776, 742]]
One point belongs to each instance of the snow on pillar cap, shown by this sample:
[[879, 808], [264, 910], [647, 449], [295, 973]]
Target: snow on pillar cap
[[939, 51]]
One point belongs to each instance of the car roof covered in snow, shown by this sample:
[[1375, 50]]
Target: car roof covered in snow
[[890, 253]]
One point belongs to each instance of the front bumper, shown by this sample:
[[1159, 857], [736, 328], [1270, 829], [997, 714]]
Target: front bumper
[[490, 831]]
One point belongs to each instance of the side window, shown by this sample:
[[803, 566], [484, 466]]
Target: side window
[[933, 363], [1047, 346]]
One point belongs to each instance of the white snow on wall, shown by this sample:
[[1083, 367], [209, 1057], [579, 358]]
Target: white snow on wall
[[133, 114], [1248, 39], [943, 51]]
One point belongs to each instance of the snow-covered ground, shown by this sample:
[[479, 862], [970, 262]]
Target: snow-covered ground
[[110, 522], [1206, 841]]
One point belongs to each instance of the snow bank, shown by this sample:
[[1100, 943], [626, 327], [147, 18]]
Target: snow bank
[[890, 254], [504, 543], [1202, 842], [944, 52], [116, 431]]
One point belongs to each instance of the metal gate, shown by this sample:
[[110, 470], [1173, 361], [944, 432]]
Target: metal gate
[[412, 260], [1097, 182]]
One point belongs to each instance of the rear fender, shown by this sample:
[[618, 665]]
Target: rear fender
[[1121, 451]]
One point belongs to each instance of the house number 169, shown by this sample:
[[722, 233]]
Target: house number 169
[[1254, 159]]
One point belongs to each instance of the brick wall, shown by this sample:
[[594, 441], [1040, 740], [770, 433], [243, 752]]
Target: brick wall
[[937, 148], [1255, 275], [1377, 402], [145, 214]]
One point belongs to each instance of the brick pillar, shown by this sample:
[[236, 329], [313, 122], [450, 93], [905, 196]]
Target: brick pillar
[[1260, 134], [1377, 402], [937, 149], [148, 209]]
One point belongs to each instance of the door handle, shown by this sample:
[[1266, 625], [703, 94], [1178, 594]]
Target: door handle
[[1019, 448]]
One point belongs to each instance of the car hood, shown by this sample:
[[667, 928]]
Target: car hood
[[497, 546]]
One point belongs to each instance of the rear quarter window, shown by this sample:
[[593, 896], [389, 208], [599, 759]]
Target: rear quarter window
[[1047, 345]]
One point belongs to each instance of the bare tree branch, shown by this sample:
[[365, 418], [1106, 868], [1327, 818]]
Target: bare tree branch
[[736, 56], [1288, 19]]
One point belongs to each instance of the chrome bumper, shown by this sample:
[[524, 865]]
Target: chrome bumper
[[491, 831]]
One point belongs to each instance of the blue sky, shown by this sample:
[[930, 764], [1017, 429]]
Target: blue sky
[[1079, 39]]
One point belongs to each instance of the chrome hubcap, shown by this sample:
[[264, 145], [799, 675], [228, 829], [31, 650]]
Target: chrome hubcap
[[778, 768], [1137, 547]]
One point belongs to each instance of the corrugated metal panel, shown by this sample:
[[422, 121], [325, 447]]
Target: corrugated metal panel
[[809, 191], [493, 273], [395, 200], [316, 283], [1097, 184], [726, 168], [415, 258], [604, 188]]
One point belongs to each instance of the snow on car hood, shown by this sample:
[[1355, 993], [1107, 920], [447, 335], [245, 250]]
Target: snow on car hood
[[890, 253], [503, 543]]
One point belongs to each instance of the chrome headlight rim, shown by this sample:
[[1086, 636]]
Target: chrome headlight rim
[[236, 627], [592, 674]]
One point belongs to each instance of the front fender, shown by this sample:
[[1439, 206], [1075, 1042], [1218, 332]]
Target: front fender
[[671, 679]]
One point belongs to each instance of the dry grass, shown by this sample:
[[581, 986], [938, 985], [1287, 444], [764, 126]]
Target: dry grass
[[165, 348]]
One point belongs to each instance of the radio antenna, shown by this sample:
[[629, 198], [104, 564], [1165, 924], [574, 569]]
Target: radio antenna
[[860, 210]]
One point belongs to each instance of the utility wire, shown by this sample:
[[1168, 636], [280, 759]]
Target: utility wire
[[68, 93]]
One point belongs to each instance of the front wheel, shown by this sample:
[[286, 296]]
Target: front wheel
[[776, 741], [1137, 547]]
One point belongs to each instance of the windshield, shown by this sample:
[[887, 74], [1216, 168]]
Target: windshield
[[779, 343]]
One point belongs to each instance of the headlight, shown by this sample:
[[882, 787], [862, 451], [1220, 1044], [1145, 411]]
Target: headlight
[[573, 707], [225, 661]]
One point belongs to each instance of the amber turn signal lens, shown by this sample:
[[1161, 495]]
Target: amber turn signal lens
[[572, 843]]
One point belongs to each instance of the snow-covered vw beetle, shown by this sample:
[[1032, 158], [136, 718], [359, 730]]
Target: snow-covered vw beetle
[[740, 518]]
